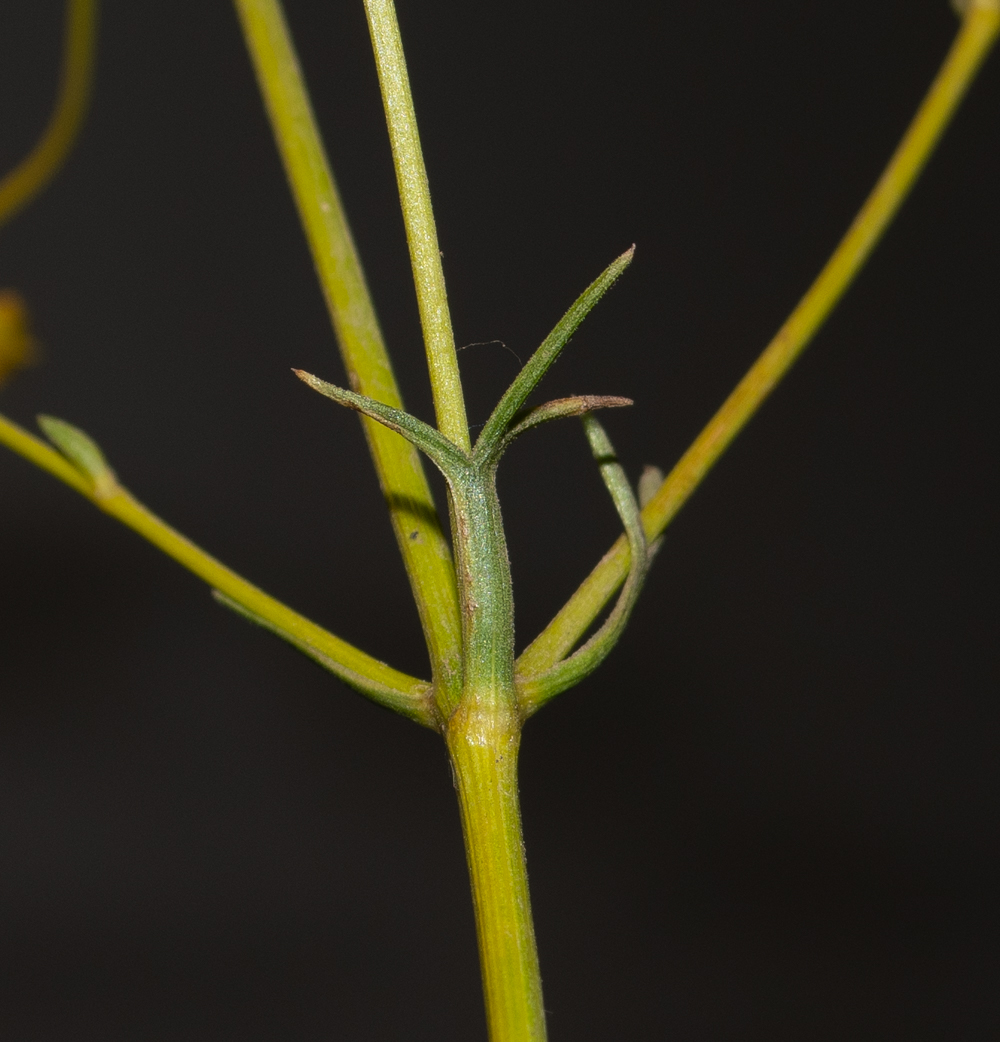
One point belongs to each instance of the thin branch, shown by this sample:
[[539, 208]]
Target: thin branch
[[418, 216], [414, 518], [34, 172], [979, 30], [82, 466]]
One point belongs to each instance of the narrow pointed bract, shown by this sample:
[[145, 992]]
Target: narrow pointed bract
[[445, 454], [560, 409], [534, 690], [541, 361]]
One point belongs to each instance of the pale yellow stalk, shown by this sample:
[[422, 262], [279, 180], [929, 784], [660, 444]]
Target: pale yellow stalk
[[35, 171], [977, 35]]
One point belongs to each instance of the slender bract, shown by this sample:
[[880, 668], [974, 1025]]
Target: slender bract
[[558, 409], [445, 454], [543, 358], [535, 690]]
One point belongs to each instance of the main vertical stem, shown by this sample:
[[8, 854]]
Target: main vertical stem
[[483, 735], [483, 744]]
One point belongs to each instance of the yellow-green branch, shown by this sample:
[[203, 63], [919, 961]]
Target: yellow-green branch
[[373, 678], [979, 31], [34, 172], [414, 518]]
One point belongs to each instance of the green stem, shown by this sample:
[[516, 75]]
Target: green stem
[[979, 31], [98, 483], [411, 507], [418, 216], [483, 744], [483, 736]]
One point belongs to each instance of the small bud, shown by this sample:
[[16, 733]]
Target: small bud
[[17, 345], [83, 452]]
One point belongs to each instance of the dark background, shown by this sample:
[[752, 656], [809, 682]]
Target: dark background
[[772, 814]]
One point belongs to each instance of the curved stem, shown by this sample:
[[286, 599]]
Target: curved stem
[[34, 172], [418, 216], [534, 690], [979, 31]]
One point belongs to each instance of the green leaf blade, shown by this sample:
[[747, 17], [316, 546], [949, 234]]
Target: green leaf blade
[[83, 452]]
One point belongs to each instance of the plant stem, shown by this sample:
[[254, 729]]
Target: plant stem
[[414, 518], [977, 35], [483, 735], [535, 691], [35, 171], [485, 588], [418, 216], [373, 678], [483, 744]]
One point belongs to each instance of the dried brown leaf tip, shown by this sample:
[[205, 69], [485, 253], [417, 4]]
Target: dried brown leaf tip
[[561, 408]]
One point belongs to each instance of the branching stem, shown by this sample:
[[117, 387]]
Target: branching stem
[[975, 38], [414, 518], [373, 678], [467, 612]]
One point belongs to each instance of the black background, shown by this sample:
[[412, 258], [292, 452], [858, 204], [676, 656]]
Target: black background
[[772, 814]]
